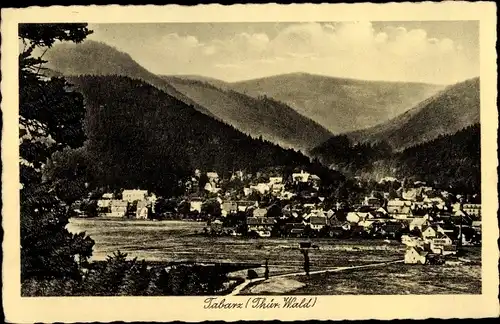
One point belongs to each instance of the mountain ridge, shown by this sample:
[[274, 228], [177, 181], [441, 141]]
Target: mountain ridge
[[339, 104], [448, 111], [256, 117]]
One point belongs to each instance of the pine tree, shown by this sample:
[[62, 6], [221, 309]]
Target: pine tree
[[51, 118]]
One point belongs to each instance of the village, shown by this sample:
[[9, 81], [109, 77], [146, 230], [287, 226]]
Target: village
[[433, 224]]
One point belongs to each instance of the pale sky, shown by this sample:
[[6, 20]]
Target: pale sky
[[441, 52]]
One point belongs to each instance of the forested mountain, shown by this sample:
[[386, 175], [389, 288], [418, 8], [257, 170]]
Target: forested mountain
[[96, 58], [449, 111], [454, 160], [141, 136], [273, 120], [448, 161], [340, 105]]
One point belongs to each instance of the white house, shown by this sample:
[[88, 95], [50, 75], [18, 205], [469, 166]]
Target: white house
[[212, 176], [275, 180], [247, 191], [212, 188], [356, 217], [262, 188], [300, 177], [195, 205], [107, 195], [396, 207], [415, 255], [259, 212], [429, 232], [388, 179], [277, 188], [134, 195], [438, 243], [103, 203], [142, 213], [418, 222], [411, 241], [118, 208]]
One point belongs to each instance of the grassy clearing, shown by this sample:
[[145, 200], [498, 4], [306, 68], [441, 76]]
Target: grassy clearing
[[395, 279], [174, 241]]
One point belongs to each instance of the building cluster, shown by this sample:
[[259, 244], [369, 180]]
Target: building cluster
[[415, 209], [133, 203], [429, 221]]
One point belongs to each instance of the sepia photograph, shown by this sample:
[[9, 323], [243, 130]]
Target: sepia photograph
[[281, 159]]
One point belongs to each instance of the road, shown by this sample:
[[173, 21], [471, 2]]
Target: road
[[244, 284]]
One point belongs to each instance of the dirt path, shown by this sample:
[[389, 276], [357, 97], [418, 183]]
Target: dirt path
[[244, 284]]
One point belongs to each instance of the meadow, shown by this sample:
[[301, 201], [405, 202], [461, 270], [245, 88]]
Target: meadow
[[178, 241]]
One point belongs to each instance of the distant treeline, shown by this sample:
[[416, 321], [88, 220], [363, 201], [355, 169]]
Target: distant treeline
[[449, 161]]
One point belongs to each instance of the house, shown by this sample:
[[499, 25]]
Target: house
[[216, 226], [476, 225], [435, 201], [372, 202], [392, 228], [429, 232], [228, 208], [211, 187], [296, 232], [314, 179], [237, 175], [388, 179], [213, 177], [473, 210], [412, 194], [300, 177], [261, 225], [103, 203], [418, 222], [396, 206], [445, 228], [262, 188], [438, 243], [195, 205], [142, 212], [317, 222], [134, 195], [275, 180], [107, 196], [259, 212], [277, 188], [330, 213], [247, 191], [411, 241], [287, 195], [118, 208], [367, 224], [415, 255], [243, 205], [353, 217]]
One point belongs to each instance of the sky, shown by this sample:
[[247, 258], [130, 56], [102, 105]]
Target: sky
[[440, 52]]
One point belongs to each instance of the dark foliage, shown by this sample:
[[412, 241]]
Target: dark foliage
[[50, 119], [140, 136], [449, 162]]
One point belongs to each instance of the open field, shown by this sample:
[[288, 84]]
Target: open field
[[175, 241], [392, 279], [396, 279]]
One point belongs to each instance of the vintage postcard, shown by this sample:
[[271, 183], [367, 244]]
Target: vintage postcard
[[250, 162]]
